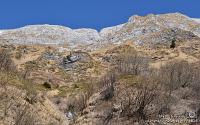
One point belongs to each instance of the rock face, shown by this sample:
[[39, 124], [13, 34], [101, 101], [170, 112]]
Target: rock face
[[50, 34], [136, 29]]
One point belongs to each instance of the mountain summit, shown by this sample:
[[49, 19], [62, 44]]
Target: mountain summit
[[138, 29]]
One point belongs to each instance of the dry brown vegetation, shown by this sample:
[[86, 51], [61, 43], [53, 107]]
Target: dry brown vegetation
[[149, 93], [126, 90], [18, 95]]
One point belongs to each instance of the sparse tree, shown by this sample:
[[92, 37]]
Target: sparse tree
[[176, 74], [139, 102], [173, 44], [131, 63], [106, 85]]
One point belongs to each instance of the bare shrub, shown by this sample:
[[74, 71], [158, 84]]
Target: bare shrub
[[9, 96], [131, 63], [31, 92], [6, 100], [106, 85], [12, 104], [78, 102], [139, 102], [176, 74], [195, 83], [6, 63], [24, 116], [108, 78], [29, 67], [7, 73]]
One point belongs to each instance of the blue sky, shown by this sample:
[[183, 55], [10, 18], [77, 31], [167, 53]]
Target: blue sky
[[87, 13]]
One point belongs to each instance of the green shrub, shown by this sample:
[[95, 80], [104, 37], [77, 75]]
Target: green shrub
[[47, 85], [173, 44]]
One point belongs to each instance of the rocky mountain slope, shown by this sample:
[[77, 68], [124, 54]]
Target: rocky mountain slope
[[135, 29], [136, 73], [50, 34]]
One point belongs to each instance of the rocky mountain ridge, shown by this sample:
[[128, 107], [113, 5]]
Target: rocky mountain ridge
[[135, 30]]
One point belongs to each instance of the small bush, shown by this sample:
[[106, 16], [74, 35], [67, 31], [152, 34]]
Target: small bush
[[18, 55], [173, 44], [47, 85]]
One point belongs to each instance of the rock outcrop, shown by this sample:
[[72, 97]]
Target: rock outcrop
[[137, 27], [50, 34]]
